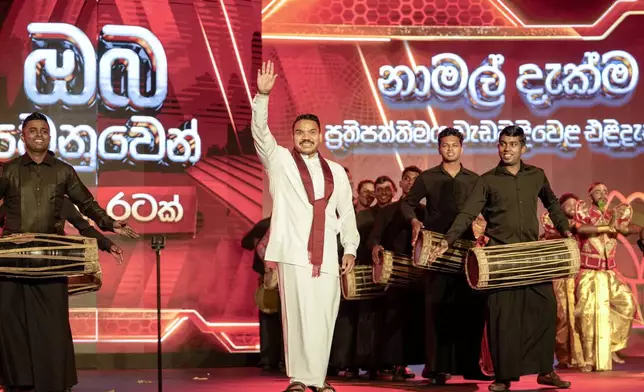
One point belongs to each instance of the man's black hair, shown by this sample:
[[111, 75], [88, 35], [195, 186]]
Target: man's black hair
[[513, 131]]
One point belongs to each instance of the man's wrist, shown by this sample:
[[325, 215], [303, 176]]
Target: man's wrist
[[351, 250], [449, 238]]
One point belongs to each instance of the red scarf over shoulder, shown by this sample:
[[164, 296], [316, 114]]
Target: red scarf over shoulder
[[316, 236]]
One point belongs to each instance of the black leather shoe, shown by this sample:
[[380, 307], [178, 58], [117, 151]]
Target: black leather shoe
[[402, 373], [552, 379], [480, 376], [430, 375], [499, 386], [437, 378], [352, 373]]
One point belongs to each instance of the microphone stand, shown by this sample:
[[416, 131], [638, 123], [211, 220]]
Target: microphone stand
[[158, 243]]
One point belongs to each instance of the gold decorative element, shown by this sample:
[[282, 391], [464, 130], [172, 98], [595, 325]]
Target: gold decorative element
[[398, 270], [451, 261], [359, 284], [267, 300], [78, 259]]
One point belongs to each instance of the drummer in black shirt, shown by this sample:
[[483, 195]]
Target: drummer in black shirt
[[37, 348], [397, 342], [454, 314], [521, 320]]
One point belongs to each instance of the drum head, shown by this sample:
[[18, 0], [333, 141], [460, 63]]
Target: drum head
[[345, 285], [472, 269]]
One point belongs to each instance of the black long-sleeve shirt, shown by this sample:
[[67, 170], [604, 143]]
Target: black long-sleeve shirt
[[392, 230], [365, 222], [34, 193], [445, 196], [509, 205]]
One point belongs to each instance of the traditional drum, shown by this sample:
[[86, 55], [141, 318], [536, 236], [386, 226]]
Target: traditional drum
[[359, 284], [522, 264], [267, 299], [451, 262], [85, 283], [396, 270], [42, 256], [47, 256]]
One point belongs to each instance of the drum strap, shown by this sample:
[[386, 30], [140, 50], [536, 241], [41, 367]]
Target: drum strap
[[316, 237]]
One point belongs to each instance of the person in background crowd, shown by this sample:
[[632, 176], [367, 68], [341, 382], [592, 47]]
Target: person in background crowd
[[355, 198], [605, 306], [271, 347], [567, 345], [400, 329], [359, 342], [366, 190]]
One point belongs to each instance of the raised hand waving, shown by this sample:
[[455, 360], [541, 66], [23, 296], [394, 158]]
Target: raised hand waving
[[266, 78]]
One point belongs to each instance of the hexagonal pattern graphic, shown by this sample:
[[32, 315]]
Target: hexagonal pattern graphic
[[403, 13]]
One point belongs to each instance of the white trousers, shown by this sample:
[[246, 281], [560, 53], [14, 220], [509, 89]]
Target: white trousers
[[309, 310]]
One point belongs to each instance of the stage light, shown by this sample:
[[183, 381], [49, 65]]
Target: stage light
[[218, 77], [174, 318], [381, 110], [236, 49]]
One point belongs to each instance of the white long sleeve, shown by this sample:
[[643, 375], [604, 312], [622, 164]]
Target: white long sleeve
[[265, 142], [349, 236]]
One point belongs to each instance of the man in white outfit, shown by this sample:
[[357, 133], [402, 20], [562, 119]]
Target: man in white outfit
[[312, 203]]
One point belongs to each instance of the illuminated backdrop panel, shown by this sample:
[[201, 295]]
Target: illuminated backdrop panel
[[149, 101], [385, 76]]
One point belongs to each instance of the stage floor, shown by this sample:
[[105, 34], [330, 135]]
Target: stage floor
[[625, 378]]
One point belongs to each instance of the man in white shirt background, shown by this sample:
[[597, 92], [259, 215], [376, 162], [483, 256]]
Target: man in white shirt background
[[312, 203]]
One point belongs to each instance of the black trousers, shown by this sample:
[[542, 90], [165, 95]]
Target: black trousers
[[401, 330], [521, 330], [455, 320], [271, 341], [36, 347]]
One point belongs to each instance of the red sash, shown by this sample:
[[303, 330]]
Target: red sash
[[316, 237]]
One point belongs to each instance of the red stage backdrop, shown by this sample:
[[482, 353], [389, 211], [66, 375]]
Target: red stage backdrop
[[385, 75], [149, 100]]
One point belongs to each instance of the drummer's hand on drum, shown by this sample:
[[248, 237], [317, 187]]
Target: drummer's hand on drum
[[117, 253], [348, 261], [416, 227], [438, 251], [122, 228], [375, 253], [567, 234]]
